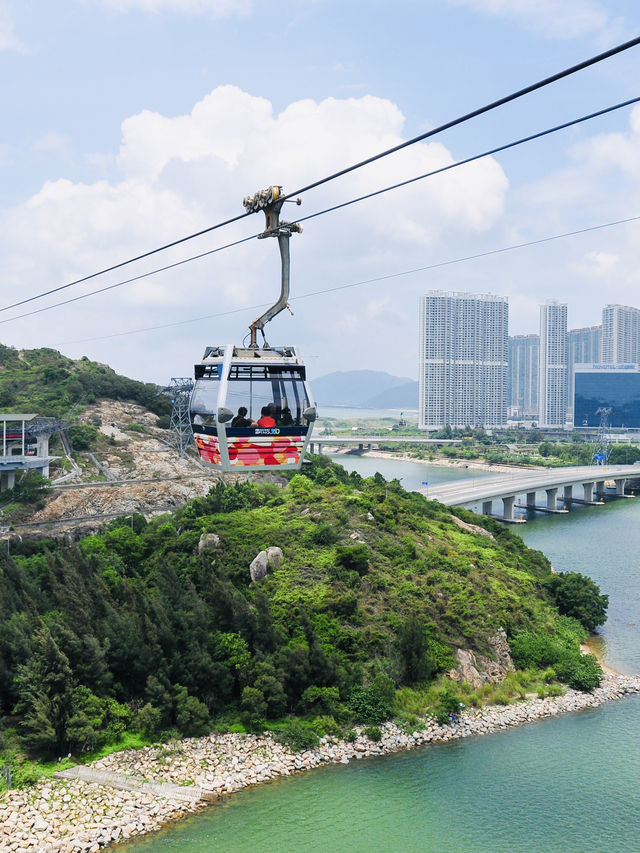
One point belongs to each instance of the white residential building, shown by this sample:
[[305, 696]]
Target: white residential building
[[552, 367], [620, 335], [524, 355], [463, 360]]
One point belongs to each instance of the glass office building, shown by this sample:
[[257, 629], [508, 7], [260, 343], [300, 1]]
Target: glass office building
[[607, 386]]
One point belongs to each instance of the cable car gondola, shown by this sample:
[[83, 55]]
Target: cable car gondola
[[251, 408]]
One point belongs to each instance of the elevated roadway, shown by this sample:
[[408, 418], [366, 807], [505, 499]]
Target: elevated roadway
[[593, 480], [366, 442]]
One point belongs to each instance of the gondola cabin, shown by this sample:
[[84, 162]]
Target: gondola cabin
[[251, 409]]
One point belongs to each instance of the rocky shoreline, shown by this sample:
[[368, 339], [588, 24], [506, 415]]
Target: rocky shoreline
[[159, 784]]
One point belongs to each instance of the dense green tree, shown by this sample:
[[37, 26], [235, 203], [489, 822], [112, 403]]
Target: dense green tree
[[30, 488], [45, 695], [412, 644], [578, 596], [254, 708], [192, 716], [85, 727]]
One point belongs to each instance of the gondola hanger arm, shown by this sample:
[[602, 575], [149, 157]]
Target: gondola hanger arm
[[271, 201]]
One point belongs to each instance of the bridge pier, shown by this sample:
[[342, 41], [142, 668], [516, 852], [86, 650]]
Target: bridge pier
[[620, 484], [507, 507], [7, 480], [487, 507], [588, 491], [567, 493], [531, 500], [552, 498], [600, 487]]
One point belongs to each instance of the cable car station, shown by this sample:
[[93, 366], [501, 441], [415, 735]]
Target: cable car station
[[24, 445]]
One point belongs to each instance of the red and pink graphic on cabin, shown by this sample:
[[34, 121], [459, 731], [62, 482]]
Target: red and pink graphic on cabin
[[253, 450]]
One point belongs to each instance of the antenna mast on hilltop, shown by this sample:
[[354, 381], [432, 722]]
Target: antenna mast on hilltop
[[602, 444]]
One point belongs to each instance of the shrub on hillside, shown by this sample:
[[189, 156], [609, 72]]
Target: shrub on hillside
[[374, 703], [562, 652], [296, 736], [353, 558], [30, 488], [82, 436], [578, 596], [582, 672]]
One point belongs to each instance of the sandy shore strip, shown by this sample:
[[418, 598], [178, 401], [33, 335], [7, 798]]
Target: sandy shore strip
[[475, 465], [139, 791]]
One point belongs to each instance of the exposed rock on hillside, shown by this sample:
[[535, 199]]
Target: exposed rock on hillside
[[133, 469], [478, 669]]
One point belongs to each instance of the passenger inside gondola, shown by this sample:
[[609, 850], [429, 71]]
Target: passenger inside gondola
[[203, 419], [241, 419], [266, 417], [285, 418]]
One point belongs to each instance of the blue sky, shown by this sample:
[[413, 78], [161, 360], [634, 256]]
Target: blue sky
[[128, 123]]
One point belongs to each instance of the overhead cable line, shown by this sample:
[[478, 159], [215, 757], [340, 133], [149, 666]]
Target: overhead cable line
[[125, 263], [430, 133], [488, 153], [331, 209], [580, 66], [128, 280], [364, 282]]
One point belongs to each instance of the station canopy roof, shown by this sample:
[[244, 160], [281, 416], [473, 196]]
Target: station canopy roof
[[14, 416]]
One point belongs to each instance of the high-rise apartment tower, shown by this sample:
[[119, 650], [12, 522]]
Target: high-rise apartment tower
[[620, 335], [463, 360], [552, 366], [524, 354]]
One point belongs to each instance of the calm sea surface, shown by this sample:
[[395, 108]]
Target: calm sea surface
[[567, 784]]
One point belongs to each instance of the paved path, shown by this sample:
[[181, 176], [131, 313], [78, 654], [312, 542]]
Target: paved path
[[183, 793]]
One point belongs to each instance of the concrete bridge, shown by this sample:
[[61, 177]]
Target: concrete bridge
[[366, 442], [593, 480]]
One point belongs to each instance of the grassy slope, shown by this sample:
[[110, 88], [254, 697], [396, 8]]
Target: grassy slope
[[420, 562], [48, 383], [156, 607]]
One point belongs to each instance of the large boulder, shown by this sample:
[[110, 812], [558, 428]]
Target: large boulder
[[274, 556], [258, 567], [271, 558], [208, 542]]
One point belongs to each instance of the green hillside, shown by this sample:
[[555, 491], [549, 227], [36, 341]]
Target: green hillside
[[47, 383], [143, 628]]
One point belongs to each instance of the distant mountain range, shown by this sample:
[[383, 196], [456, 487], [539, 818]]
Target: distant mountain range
[[370, 389]]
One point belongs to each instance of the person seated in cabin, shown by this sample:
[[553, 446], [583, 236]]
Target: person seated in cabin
[[202, 419], [285, 418], [241, 419], [266, 419]]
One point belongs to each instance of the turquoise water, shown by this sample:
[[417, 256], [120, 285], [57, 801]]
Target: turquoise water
[[566, 784]]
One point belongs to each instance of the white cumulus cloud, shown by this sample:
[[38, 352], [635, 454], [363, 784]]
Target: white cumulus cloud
[[176, 175]]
